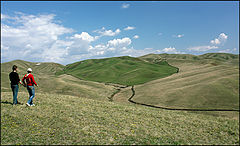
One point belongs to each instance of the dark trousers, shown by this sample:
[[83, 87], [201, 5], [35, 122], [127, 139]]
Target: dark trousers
[[15, 93]]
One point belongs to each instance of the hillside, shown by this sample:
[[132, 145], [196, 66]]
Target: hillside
[[208, 58], [41, 68], [120, 70], [62, 119], [209, 82], [44, 74]]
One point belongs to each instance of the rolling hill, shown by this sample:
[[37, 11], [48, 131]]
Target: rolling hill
[[120, 70], [209, 81], [73, 111]]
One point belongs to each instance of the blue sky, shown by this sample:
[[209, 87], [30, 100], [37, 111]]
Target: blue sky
[[66, 32]]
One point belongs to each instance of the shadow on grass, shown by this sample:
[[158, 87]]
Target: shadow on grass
[[7, 102]]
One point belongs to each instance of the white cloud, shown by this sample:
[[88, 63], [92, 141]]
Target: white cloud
[[125, 6], [160, 33], [41, 38], [225, 51], [112, 47], [222, 38], [202, 48], [228, 50], [120, 42], [178, 36], [129, 28], [84, 36], [104, 32], [215, 42], [118, 47], [170, 50], [32, 35], [136, 37]]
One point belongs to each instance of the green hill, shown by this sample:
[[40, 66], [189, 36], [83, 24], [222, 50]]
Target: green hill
[[121, 70], [63, 119], [209, 82]]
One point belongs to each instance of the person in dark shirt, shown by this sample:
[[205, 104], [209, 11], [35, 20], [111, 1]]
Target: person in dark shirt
[[14, 78]]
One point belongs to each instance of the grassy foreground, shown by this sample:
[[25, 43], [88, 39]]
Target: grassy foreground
[[64, 119]]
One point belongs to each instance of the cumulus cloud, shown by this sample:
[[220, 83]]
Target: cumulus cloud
[[43, 38], [222, 38], [202, 48], [136, 37], [83, 36], [170, 50], [120, 42], [115, 46], [125, 6], [129, 28], [104, 32], [119, 47], [32, 36]]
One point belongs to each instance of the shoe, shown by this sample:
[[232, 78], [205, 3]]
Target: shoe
[[28, 104], [33, 105]]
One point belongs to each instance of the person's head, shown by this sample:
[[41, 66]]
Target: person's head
[[14, 68], [29, 70]]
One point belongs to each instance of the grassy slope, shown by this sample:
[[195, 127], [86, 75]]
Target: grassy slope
[[63, 119], [121, 70], [44, 75], [210, 81]]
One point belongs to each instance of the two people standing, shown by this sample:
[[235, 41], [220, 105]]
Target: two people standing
[[14, 78]]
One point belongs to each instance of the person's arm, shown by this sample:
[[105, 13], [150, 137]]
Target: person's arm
[[23, 81], [34, 80], [10, 77], [18, 79], [23, 78]]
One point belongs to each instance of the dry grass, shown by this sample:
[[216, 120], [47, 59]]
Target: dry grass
[[199, 84], [64, 119]]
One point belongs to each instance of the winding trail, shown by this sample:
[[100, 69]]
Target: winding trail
[[182, 109], [153, 106]]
